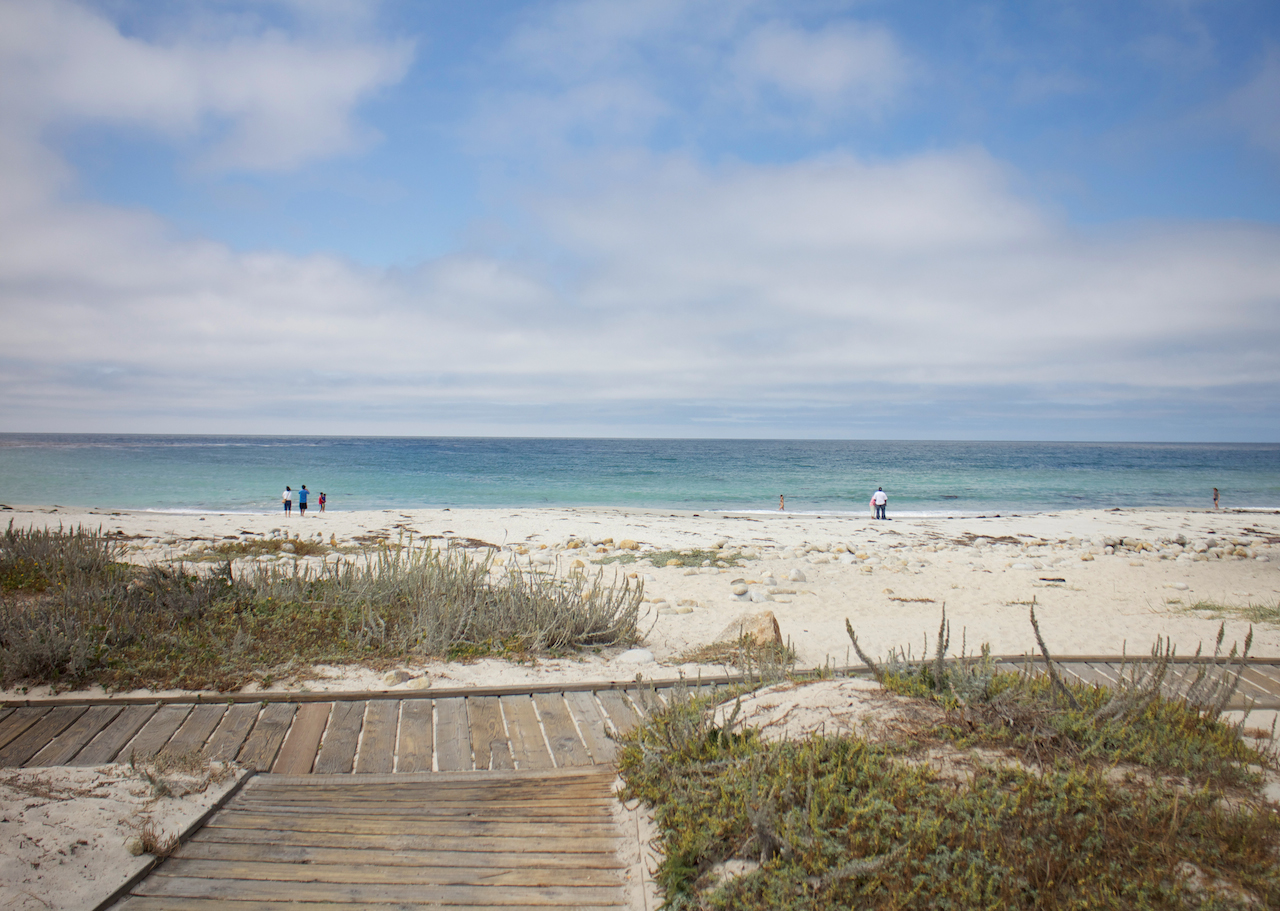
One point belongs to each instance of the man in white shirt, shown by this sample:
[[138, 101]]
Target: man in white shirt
[[880, 500]]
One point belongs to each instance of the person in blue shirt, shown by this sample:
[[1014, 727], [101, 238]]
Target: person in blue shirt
[[302, 501]]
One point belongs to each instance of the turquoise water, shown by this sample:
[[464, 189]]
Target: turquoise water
[[221, 474]]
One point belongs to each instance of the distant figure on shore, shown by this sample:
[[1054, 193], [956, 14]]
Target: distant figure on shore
[[321, 501], [287, 496], [880, 500], [1215, 498], [302, 501], [782, 502]]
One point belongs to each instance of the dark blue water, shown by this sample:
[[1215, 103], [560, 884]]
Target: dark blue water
[[248, 473]]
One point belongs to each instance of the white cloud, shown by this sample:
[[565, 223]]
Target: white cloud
[[844, 66], [266, 101], [720, 291]]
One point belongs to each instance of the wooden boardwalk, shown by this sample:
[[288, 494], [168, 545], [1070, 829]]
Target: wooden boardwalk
[[370, 735], [463, 840], [373, 734]]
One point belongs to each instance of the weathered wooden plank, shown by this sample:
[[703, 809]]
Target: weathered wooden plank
[[231, 734], [259, 750], [1109, 672], [1269, 676], [557, 841], [366, 872], [378, 742], [622, 714], [35, 738], [1085, 674], [195, 731], [307, 854], [562, 736], [103, 748], [414, 747], [298, 752], [528, 748], [342, 736], [427, 806], [484, 716], [145, 903], [593, 726], [558, 896], [21, 719], [453, 743], [373, 824], [1260, 684], [63, 748], [156, 732]]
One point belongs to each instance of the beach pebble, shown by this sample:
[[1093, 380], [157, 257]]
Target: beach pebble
[[796, 576], [739, 589], [1180, 586], [396, 677], [722, 542], [769, 579], [760, 597], [1023, 566], [628, 545], [635, 656]]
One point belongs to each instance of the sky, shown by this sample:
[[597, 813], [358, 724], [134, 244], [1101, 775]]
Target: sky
[[1027, 220]]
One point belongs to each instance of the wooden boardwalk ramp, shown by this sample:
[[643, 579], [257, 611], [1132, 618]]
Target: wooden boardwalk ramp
[[509, 840]]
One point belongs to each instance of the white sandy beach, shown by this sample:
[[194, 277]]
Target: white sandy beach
[[1110, 597], [1127, 576], [1103, 582]]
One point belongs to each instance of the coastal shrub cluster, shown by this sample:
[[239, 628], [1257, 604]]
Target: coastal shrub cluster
[[72, 613], [1071, 802]]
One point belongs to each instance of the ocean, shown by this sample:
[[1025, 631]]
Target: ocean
[[247, 473]]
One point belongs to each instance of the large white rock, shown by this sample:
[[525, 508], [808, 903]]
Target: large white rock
[[797, 576], [635, 656]]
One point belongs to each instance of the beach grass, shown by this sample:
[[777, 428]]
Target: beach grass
[[1261, 612], [74, 614], [1067, 796]]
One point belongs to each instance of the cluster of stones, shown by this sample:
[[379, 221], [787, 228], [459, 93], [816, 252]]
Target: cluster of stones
[[1183, 550], [548, 556]]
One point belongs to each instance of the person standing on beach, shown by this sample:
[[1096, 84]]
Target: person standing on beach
[[1215, 498], [287, 496], [782, 502], [321, 501], [302, 501], [880, 500]]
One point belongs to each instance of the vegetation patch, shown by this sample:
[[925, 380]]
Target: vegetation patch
[[1254, 613], [1073, 797], [695, 558], [81, 616], [769, 661], [266, 547]]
